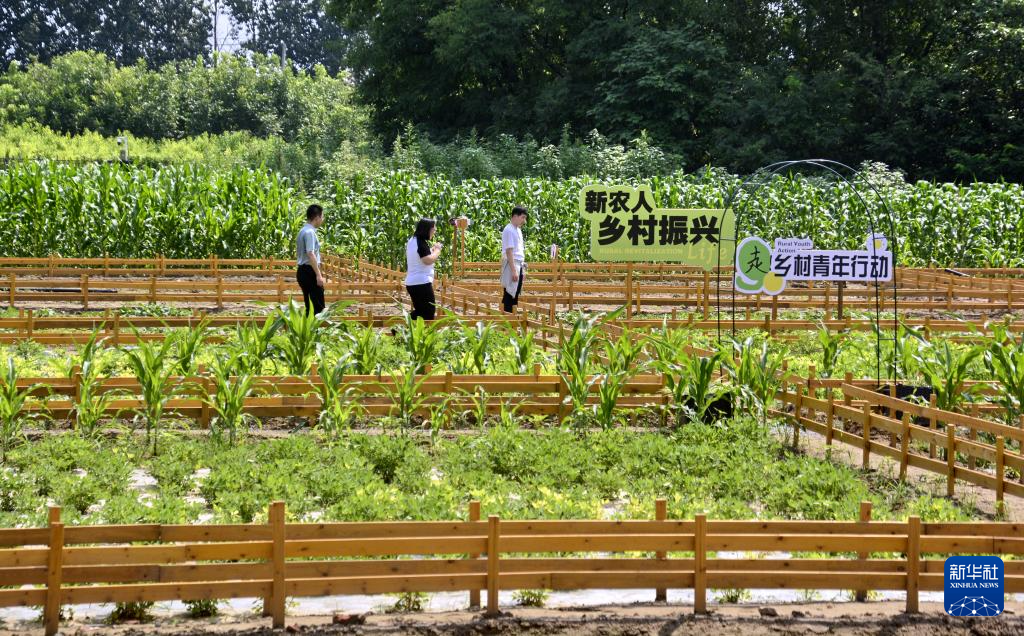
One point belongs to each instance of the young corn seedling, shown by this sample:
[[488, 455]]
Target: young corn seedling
[[424, 341], [831, 347], [227, 400], [301, 338], [755, 371], [405, 396], [253, 345], [93, 402], [186, 348], [480, 346], [1004, 358], [149, 362], [365, 350], [13, 409], [525, 351], [339, 404], [945, 369]]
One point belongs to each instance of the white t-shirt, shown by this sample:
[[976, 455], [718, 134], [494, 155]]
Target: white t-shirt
[[418, 273], [512, 236]]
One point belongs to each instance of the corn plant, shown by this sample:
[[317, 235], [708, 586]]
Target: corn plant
[[227, 400], [624, 353], [478, 406], [609, 388], [13, 409], [831, 346], [150, 364], [945, 368], [480, 337], [756, 373], [423, 341], [902, 354], [670, 345], [525, 348], [365, 350], [339, 405], [1004, 358], [89, 351], [440, 417], [301, 336], [405, 396], [187, 345], [93, 402], [578, 385], [253, 345]]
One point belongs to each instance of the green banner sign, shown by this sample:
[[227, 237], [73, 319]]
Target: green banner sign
[[627, 225]]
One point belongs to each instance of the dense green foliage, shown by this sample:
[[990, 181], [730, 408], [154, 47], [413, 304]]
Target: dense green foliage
[[191, 211], [180, 210], [515, 473], [731, 83], [306, 118], [159, 31]]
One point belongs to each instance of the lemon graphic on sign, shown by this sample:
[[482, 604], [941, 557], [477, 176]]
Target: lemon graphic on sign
[[773, 283]]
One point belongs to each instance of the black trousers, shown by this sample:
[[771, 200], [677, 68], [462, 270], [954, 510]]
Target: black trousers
[[312, 294], [423, 301], [508, 301]]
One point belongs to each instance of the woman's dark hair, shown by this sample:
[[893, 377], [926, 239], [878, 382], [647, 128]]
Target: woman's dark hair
[[313, 211], [423, 228]]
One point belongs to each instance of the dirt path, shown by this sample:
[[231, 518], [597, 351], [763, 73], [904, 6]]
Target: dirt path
[[882, 619]]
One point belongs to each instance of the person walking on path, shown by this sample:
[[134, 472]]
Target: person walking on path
[[307, 249], [513, 259], [420, 257]]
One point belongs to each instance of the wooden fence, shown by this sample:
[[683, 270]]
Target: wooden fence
[[918, 436], [276, 560], [534, 394], [553, 286]]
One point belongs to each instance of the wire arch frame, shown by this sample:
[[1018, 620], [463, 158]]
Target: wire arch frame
[[754, 183]]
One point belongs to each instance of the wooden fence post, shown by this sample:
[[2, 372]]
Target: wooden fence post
[[85, 291], [707, 294], [1000, 471], [474, 515], [54, 572], [493, 535], [950, 458], [277, 603], [913, 563], [865, 517], [865, 462], [10, 290], [905, 446], [700, 565], [933, 425], [629, 290], [660, 514], [1020, 448]]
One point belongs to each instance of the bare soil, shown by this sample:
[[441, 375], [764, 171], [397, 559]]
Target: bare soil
[[881, 619]]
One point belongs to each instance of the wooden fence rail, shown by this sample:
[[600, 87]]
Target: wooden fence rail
[[280, 396], [918, 436], [556, 285], [275, 560]]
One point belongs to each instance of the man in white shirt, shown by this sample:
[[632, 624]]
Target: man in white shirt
[[307, 253], [513, 259]]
